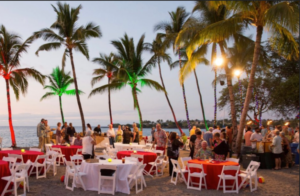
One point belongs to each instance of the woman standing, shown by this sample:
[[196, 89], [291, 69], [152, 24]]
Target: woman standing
[[287, 150], [88, 145], [173, 150], [119, 134], [58, 134], [70, 132], [136, 137], [220, 147]]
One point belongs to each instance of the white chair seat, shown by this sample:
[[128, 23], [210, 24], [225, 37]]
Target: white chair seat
[[8, 178], [245, 175], [227, 177], [197, 174]]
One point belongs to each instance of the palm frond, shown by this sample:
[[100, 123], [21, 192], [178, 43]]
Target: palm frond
[[48, 47], [112, 86], [47, 95]]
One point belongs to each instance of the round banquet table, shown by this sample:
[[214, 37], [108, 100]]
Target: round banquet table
[[4, 171], [27, 155], [68, 151], [148, 157], [212, 171], [91, 180]]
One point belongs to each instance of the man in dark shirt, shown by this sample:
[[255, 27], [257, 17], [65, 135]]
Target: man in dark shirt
[[97, 129], [192, 145], [127, 134]]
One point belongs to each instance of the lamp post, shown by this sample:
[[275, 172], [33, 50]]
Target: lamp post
[[237, 73], [217, 63]]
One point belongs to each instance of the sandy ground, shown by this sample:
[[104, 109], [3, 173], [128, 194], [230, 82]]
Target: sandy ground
[[282, 182]]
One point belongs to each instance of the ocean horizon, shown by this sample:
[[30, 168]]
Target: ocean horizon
[[26, 135]]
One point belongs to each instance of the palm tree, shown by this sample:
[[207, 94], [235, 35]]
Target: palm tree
[[108, 69], [11, 49], [200, 59], [132, 70], [70, 35], [193, 33], [59, 84], [159, 54], [172, 29]]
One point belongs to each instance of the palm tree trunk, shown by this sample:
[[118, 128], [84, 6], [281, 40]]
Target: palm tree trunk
[[173, 113], [232, 101], [201, 103], [77, 94], [12, 132], [109, 104], [215, 96], [61, 110], [184, 97], [139, 111], [259, 31]]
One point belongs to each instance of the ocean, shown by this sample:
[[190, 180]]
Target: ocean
[[26, 135]]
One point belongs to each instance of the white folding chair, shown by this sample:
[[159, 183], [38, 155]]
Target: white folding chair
[[159, 152], [36, 165], [77, 160], [79, 151], [36, 149], [11, 161], [223, 177], [133, 159], [102, 185], [51, 161], [59, 157], [177, 169], [15, 180], [6, 149], [141, 160], [158, 163], [112, 153], [19, 158], [201, 175], [136, 176], [48, 147], [233, 160], [249, 174], [20, 173], [73, 172], [184, 161]]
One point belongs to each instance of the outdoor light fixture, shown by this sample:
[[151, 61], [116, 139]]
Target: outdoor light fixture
[[287, 123], [249, 122], [218, 61], [237, 73], [269, 122]]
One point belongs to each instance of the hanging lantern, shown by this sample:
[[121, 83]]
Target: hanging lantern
[[222, 83]]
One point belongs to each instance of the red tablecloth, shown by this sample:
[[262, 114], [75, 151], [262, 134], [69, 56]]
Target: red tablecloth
[[148, 157], [212, 171], [4, 171], [27, 155], [68, 151]]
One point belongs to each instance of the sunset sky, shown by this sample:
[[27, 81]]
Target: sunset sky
[[114, 18]]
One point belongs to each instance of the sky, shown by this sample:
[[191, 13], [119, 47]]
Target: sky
[[115, 19]]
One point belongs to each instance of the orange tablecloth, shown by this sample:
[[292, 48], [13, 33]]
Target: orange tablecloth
[[4, 171], [212, 171], [148, 157], [68, 151], [27, 155]]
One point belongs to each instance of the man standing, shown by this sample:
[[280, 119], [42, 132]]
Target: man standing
[[216, 130], [97, 129], [248, 136], [160, 138], [255, 137], [229, 135], [111, 135], [263, 131], [40, 133], [208, 137], [277, 149], [47, 133], [152, 133]]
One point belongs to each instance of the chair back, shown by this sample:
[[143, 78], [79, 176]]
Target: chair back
[[23, 170], [196, 166], [175, 164], [252, 167], [231, 168], [19, 158], [138, 156], [233, 160], [11, 161], [51, 156], [57, 150], [35, 149], [41, 157], [79, 151], [48, 147], [160, 152], [6, 149], [108, 167], [184, 161], [69, 166], [141, 169]]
